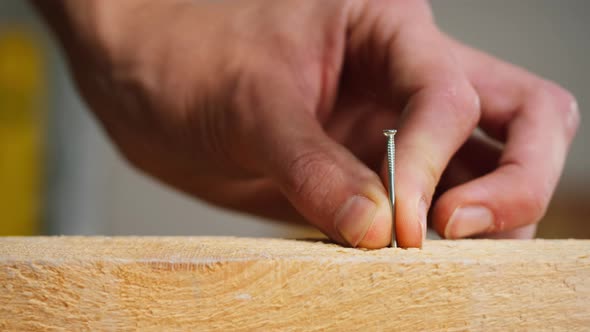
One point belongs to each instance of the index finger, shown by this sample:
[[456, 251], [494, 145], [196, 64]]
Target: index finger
[[441, 111]]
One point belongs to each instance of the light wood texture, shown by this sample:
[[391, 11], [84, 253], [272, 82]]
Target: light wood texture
[[208, 283]]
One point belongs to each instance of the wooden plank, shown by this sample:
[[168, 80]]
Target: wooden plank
[[208, 283]]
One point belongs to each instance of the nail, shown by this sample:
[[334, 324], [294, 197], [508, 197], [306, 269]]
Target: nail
[[422, 213], [354, 219], [469, 221]]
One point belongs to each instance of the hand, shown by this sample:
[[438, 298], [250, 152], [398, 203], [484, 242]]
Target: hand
[[276, 108]]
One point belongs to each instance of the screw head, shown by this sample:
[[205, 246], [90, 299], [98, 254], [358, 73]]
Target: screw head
[[389, 132]]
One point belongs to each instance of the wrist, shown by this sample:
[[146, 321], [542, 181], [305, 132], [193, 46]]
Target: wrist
[[90, 27]]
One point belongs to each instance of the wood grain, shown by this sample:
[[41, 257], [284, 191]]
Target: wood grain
[[209, 283]]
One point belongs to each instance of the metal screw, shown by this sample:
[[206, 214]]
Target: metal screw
[[390, 133]]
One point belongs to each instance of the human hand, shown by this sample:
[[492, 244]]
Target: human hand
[[276, 108]]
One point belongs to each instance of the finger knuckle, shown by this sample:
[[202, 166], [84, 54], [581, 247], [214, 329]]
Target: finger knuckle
[[311, 175], [563, 102], [463, 104]]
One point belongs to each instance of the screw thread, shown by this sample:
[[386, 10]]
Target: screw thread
[[391, 168], [391, 155]]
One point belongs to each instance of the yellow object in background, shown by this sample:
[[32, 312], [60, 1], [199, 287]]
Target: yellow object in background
[[22, 85]]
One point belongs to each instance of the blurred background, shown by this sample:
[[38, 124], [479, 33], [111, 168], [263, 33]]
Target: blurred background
[[60, 175]]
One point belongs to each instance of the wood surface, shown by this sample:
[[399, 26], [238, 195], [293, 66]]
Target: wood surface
[[227, 284]]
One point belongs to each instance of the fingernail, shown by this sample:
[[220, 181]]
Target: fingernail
[[355, 218], [422, 213], [469, 221]]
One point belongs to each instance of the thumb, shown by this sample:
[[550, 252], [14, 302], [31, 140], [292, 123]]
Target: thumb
[[328, 185]]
